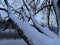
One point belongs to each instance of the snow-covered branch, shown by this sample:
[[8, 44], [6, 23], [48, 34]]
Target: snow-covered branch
[[36, 34], [45, 30], [28, 31]]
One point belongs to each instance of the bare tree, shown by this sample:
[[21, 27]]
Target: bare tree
[[33, 34]]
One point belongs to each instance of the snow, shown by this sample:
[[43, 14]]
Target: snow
[[31, 33], [43, 29], [21, 42], [9, 31], [12, 42], [54, 42]]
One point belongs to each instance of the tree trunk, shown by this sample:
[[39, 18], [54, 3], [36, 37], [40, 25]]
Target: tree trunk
[[56, 4], [30, 34]]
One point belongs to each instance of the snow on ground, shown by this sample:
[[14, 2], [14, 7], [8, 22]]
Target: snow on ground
[[12, 42], [21, 42], [53, 42]]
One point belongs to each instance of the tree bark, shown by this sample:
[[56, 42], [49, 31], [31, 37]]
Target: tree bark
[[56, 4]]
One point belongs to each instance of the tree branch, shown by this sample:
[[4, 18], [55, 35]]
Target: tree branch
[[45, 31]]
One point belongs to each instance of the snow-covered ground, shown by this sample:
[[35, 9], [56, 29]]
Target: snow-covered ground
[[12, 42], [21, 42]]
